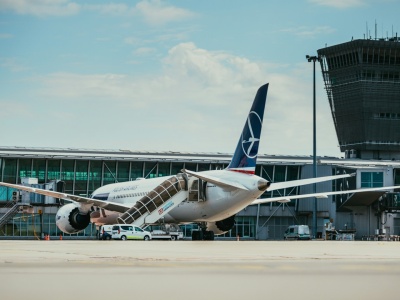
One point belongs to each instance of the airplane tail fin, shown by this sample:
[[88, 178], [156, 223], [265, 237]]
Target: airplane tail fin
[[245, 156]]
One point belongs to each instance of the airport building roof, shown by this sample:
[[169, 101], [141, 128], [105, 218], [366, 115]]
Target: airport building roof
[[123, 154]]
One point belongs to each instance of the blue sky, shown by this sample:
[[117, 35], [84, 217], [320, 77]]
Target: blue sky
[[172, 75]]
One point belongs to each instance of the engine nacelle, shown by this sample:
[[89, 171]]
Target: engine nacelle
[[221, 227], [70, 220]]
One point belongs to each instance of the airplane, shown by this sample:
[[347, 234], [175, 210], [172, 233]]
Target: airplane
[[208, 198]]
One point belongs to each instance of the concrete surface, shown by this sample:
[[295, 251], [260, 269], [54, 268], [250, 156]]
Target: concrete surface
[[199, 270]]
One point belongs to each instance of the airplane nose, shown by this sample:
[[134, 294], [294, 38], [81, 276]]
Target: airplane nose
[[263, 184]]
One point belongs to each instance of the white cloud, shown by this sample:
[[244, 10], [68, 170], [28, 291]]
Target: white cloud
[[5, 36], [9, 107], [309, 32], [209, 68], [40, 7], [12, 64], [145, 51], [155, 12], [111, 8], [198, 102], [339, 3], [132, 40], [78, 88]]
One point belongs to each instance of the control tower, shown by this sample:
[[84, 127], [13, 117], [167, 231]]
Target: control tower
[[362, 80]]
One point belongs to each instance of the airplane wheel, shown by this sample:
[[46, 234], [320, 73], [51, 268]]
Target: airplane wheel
[[208, 235], [197, 235]]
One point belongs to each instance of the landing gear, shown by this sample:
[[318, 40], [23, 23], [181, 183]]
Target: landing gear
[[202, 235], [197, 235], [208, 235]]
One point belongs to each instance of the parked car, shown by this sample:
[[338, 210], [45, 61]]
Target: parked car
[[129, 232], [297, 232]]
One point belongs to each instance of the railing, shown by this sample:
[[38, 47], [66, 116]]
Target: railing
[[13, 210], [154, 199]]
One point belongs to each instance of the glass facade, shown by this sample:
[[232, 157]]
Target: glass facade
[[280, 173], [9, 170], [371, 179], [245, 227]]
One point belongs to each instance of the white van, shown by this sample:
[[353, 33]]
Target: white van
[[129, 232], [297, 232], [105, 232]]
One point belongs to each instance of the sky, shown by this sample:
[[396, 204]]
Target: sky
[[156, 75]]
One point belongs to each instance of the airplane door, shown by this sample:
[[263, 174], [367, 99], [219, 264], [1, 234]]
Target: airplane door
[[194, 190], [197, 190]]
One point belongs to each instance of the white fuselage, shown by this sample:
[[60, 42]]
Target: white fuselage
[[203, 204]]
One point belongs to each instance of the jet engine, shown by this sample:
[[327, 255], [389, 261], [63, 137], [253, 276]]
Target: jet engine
[[221, 227], [70, 219]]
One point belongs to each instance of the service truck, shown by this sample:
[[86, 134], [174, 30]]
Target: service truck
[[167, 232]]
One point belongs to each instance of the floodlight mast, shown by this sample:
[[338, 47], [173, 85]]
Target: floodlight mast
[[314, 59]]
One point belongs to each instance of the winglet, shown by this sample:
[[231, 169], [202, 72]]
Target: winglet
[[245, 156]]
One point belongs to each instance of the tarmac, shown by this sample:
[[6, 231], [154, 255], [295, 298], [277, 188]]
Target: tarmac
[[245, 270]]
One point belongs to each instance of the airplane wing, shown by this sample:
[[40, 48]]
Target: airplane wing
[[285, 199], [74, 198], [292, 183], [273, 186], [215, 180]]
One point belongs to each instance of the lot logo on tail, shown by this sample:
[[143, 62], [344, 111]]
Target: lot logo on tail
[[252, 142]]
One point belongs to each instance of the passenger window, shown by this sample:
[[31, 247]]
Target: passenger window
[[138, 229], [125, 227]]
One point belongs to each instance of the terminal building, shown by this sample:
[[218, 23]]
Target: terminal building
[[362, 80], [82, 171]]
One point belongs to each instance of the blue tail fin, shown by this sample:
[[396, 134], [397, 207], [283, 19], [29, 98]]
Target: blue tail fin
[[245, 156]]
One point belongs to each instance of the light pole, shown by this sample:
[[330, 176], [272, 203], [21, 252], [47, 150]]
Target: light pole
[[314, 59]]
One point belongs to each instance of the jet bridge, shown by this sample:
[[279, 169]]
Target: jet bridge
[[157, 202]]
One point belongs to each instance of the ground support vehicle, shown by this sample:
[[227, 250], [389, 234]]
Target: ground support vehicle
[[165, 235], [129, 232], [167, 232], [297, 232]]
